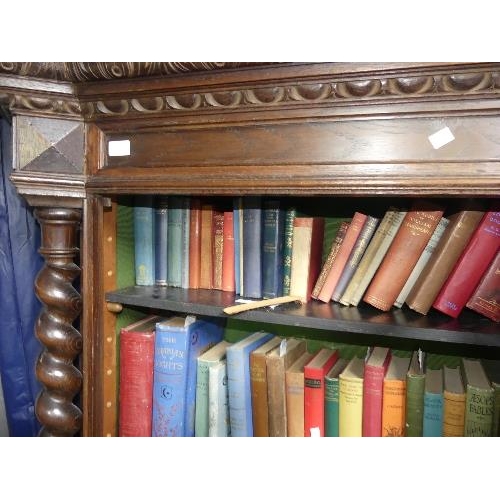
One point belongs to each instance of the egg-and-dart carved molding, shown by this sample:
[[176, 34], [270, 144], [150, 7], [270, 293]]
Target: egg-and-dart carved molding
[[328, 92], [40, 104]]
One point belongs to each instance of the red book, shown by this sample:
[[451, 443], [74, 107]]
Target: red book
[[228, 283], [470, 267], [136, 377], [194, 243], [373, 386], [314, 391]]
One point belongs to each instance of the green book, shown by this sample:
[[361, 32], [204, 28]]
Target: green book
[[332, 398], [492, 369], [415, 388], [290, 215]]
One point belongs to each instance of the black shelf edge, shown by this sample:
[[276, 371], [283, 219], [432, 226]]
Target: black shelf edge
[[469, 329]]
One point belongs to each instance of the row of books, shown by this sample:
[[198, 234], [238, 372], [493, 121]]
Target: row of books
[[261, 249], [180, 377]]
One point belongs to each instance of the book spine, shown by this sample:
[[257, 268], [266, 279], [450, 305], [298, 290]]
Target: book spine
[[415, 387], [295, 403], [228, 260], [144, 240], [218, 241], [422, 261], [218, 401], [432, 424], [260, 405], [174, 242], [448, 251], [453, 414], [161, 241], [373, 386], [237, 206], [314, 403], [252, 247], [272, 249], [186, 242], [290, 215], [201, 409], [207, 233], [393, 408], [354, 257], [471, 266], [407, 246], [350, 407], [195, 243], [331, 407], [479, 409], [374, 254]]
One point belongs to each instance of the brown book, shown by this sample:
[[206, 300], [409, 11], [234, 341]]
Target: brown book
[[453, 403], [339, 237], [194, 243], [207, 238], [448, 250], [277, 362], [294, 387], [486, 297], [413, 235], [258, 387], [218, 242]]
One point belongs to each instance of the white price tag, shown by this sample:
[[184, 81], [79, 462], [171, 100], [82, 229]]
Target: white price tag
[[441, 138]]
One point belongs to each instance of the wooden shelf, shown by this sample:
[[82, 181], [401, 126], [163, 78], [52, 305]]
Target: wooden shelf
[[469, 329]]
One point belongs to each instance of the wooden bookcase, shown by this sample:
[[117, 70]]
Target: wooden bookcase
[[337, 132]]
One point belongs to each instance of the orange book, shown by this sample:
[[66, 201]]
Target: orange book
[[409, 243], [453, 403], [394, 398], [194, 243], [342, 256], [228, 280]]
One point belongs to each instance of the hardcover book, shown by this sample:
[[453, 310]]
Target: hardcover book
[[272, 249], [351, 399], [492, 370], [433, 403], [161, 241], [218, 400], [290, 215], [228, 262], [415, 388], [332, 398], [207, 245], [218, 248], [144, 240], [237, 234], [194, 243], [252, 247], [174, 239], [453, 403]]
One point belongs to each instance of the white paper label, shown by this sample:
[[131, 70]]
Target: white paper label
[[441, 138], [315, 432], [119, 148], [283, 345]]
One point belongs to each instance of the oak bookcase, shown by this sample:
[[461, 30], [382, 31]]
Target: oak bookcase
[[340, 133]]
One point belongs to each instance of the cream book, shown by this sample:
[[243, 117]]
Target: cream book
[[351, 399]]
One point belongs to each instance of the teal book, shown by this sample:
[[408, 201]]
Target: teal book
[[179, 341], [144, 240], [290, 215], [415, 388], [204, 362], [174, 241], [272, 249], [433, 403], [332, 398], [239, 387], [218, 400]]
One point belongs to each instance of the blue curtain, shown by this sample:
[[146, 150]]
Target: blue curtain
[[19, 307]]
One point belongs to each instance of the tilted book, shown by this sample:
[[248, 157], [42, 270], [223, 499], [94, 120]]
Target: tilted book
[[415, 387], [218, 400], [351, 399], [453, 403], [433, 403], [332, 398], [144, 240], [178, 343]]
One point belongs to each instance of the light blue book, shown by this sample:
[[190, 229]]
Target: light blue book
[[433, 403], [175, 241], [239, 387], [144, 240], [160, 238], [237, 207], [218, 400]]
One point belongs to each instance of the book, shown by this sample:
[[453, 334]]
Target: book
[[294, 386], [314, 391], [415, 387], [207, 245], [327, 265], [238, 256], [354, 258], [332, 398], [290, 215], [373, 385], [239, 387], [470, 267], [351, 399], [408, 244], [306, 255], [186, 242], [218, 248], [432, 425], [218, 400], [203, 363], [421, 262], [479, 400], [136, 377], [178, 343], [252, 247], [492, 370], [273, 239], [258, 384], [352, 233], [161, 240], [453, 402], [194, 243], [394, 397], [448, 250], [485, 299], [277, 362], [374, 255], [174, 241], [144, 240], [228, 262]]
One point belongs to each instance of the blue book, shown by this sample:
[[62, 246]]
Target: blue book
[[178, 343], [144, 240], [237, 207], [252, 247], [433, 403], [238, 379], [161, 243], [175, 241], [273, 239]]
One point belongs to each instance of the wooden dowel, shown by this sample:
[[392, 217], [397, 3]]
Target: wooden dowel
[[260, 303]]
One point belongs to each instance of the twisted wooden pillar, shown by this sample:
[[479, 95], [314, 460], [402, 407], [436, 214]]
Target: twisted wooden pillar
[[62, 304]]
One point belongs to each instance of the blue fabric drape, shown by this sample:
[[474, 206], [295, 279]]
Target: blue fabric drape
[[19, 307]]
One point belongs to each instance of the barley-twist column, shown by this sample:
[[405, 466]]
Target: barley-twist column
[[62, 342]]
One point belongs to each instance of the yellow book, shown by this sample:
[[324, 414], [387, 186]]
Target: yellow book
[[351, 399], [453, 403]]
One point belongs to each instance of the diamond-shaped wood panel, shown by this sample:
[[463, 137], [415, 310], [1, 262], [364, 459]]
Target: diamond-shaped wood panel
[[49, 145]]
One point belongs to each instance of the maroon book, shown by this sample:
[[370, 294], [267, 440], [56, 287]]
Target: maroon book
[[470, 267], [486, 297], [136, 377]]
